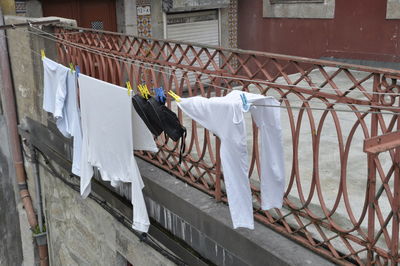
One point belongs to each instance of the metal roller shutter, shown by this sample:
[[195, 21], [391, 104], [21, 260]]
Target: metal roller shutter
[[198, 27]]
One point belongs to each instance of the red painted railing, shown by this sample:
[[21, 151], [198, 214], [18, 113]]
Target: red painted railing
[[339, 201]]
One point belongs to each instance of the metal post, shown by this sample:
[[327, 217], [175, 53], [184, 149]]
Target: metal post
[[218, 193], [394, 249], [371, 183], [37, 189]]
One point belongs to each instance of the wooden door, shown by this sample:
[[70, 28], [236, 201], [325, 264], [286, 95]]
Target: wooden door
[[96, 14]]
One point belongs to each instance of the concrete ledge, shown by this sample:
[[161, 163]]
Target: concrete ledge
[[206, 225], [64, 21], [371, 63]]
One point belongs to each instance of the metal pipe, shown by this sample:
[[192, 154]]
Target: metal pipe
[[8, 100], [38, 189]]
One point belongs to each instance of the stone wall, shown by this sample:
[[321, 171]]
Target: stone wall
[[81, 232], [10, 236]]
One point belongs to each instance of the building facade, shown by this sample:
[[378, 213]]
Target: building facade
[[365, 32], [189, 223], [207, 22]]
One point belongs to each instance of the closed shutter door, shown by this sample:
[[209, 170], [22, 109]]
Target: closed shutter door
[[197, 27]]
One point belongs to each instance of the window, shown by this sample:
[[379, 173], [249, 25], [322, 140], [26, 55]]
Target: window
[[295, 1]]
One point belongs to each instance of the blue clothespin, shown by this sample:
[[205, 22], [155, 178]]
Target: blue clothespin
[[77, 70], [160, 95], [246, 105]]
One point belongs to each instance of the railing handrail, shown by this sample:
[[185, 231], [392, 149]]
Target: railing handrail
[[306, 60]]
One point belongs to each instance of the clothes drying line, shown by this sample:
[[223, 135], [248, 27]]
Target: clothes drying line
[[112, 56]]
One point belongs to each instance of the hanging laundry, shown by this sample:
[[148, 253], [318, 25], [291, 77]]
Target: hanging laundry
[[54, 89], [147, 114], [224, 117], [169, 122], [160, 118], [106, 113], [72, 122], [60, 98]]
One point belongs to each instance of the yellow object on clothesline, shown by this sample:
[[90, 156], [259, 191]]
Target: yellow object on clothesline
[[71, 67], [175, 96], [42, 53], [144, 91], [129, 87]]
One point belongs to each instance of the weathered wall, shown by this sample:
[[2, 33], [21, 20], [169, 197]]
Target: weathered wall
[[81, 232], [126, 16], [10, 236], [359, 30]]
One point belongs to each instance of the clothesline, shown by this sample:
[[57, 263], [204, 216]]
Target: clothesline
[[224, 88], [224, 77]]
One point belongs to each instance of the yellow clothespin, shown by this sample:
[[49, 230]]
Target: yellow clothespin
[[129, 87], [140, 90], [173, 95], [144, 91], [42, 53], [71, 66]]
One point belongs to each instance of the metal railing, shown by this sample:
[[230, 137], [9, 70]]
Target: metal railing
[[339, 201]]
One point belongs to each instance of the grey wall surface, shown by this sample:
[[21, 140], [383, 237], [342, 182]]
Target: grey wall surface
[[10, 236], [82, 233]]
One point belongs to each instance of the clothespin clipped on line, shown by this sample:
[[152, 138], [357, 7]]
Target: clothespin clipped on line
[[173, 95], [77, 70], [129, 87], [42, 53], [144, 91], [71, 67], [246, 105], [160, 95]]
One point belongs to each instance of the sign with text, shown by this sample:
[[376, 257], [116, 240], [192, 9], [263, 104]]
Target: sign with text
[[143, 10]]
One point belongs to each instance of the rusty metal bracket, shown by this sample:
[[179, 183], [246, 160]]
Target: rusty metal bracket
[[382, 143]]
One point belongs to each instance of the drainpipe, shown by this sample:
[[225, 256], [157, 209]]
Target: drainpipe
[[10, 112], [38, 191]]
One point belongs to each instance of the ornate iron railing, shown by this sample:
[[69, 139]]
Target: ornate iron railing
[[339, 201]]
